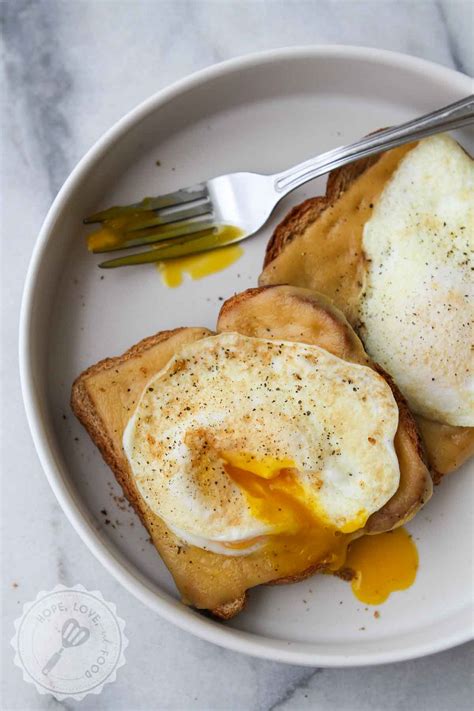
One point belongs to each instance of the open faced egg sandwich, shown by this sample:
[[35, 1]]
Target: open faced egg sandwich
[[391, 243], [255, 454]]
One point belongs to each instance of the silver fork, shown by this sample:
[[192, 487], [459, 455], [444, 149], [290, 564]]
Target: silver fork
[[230, 208]]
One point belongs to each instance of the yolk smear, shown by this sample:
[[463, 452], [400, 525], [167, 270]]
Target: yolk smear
[[105, 238], [357, 522], [279, 501], [265, 467], [198, 265], [242, 545], [301, 538], [115, 231], [382, 564]]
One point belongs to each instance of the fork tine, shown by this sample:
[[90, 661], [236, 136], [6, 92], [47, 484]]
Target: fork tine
[[178, 197], [200, 242], [169, 217], [188, 246], [138, 221], [107, 240]]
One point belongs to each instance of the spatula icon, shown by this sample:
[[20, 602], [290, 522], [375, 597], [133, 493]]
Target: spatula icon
[[72, 635]]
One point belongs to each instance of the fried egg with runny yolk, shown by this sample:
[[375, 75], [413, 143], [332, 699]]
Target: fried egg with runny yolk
[[246, 444]]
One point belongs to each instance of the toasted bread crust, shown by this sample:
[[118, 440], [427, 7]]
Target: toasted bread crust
[[424, 488], [230, 609]]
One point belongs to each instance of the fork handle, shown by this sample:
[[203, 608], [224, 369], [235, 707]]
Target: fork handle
[[448, 118]]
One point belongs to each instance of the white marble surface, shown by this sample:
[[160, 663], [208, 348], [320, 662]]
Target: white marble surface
[[71, 69]]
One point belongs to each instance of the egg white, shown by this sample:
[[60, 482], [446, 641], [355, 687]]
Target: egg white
[[417, 311], [231, 393]]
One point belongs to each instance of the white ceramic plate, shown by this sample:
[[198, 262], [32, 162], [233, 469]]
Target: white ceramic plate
[[263, 113]]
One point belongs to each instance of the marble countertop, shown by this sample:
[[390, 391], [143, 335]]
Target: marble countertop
[[71, 70]]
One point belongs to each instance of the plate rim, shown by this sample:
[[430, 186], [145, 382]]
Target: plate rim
[[301, 653]]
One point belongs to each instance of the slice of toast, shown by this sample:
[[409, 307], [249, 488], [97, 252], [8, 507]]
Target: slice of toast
[[104, 397], [294, 250]]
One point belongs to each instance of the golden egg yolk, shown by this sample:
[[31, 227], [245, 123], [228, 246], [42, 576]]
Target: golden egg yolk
[[301, 535], [198, 265], [382, 564], [263, 467]]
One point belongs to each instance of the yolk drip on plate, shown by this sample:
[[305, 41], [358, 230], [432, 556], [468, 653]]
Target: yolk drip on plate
[[198, 265], [301, 536], [382, 564]]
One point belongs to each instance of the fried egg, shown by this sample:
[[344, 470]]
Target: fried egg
[[240, 440], [417, 310]]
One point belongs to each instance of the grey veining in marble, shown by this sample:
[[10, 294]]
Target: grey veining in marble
[[70, 69]]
